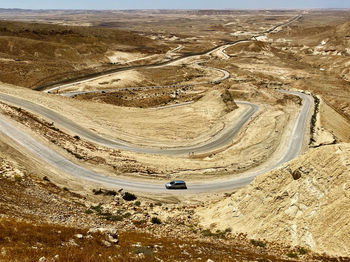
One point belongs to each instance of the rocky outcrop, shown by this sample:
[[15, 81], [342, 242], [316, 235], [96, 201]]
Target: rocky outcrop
[[306, 202], [228, 99], [111, 235]]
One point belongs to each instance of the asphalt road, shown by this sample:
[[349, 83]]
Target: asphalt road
[[62, 122], [70, 82], [225, 75], [43, 153]]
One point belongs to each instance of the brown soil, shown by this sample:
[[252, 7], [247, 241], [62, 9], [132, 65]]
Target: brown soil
[[39, 219], [172, 75], [142, 99], [59, 243], [311, 54], [36, 54], [166, 76]]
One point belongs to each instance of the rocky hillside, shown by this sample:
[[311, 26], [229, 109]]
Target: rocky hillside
[[34, 54], [44, 221], [304, 203], [321, 45]]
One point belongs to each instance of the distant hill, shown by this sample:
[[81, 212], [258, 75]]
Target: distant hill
[[33, 54]]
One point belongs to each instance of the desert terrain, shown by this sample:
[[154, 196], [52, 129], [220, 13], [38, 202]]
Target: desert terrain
[[99, 109]]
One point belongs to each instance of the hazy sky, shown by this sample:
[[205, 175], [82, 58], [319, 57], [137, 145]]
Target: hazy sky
[[172, 4]]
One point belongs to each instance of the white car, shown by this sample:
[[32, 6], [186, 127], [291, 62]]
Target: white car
[[176, 184]]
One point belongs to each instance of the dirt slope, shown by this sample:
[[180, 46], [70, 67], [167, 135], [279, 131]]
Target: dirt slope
[[312, 211]]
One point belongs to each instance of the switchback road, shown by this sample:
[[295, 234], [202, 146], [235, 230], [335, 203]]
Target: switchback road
[[44, 153]]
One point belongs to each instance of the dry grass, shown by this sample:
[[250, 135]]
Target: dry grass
[[172, 75], [142, 99], [23, 241], [46, 218]]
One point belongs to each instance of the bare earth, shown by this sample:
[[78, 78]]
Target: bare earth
[[295, 212]]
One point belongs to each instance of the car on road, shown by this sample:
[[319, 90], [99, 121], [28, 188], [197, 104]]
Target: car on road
[[176, 184]]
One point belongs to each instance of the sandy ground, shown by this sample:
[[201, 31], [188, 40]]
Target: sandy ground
[[125, 123], [112, 81], [310, 211], [212, 74], [144, 78], [196, 123], [331, 120], [259, 142], [40, 169], [125, 57]]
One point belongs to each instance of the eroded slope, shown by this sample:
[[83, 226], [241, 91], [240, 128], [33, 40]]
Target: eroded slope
[[305, 202]]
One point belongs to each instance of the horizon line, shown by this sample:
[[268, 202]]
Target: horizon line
[[176, 9]]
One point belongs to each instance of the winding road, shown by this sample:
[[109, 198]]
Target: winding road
[[44, 153], [220, 140], [70, 82]]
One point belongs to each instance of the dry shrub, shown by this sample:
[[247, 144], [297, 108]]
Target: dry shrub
[[23, 241]]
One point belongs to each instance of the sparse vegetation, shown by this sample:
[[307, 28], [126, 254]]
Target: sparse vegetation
[[292, 255], [217, 234], [228, 230], [193, 229], [18, 178], [110, 217], [105, 214], [64, 50], [89, 211], [104, 192], [78, 156], [156, 220], [43, 54], [129, 196], [142, 250], [127, 215], [258, 243], [97, 208], [314, 118], [19, 238], [302, 251]]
